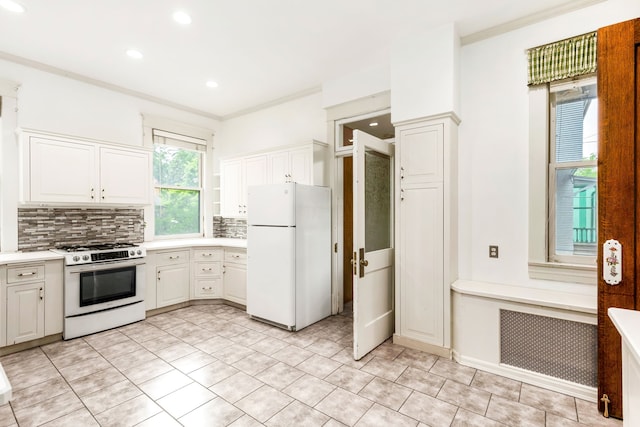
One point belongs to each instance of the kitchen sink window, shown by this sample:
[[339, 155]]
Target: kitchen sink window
[[177, 175]]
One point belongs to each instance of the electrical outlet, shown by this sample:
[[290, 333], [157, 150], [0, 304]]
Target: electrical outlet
[[493, 251]]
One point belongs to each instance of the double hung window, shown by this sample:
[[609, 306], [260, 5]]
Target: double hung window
[[178, 175], [573, 154], [563, 149]]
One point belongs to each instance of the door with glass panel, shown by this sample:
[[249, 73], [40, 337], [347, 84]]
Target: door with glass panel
[[372, 259]]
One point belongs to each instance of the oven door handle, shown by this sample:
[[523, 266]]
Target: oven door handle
[[77, 270]]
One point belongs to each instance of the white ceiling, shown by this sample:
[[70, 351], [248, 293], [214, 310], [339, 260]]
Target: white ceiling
[[258, 51]]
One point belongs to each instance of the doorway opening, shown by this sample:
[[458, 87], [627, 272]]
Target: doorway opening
[[377, 124]]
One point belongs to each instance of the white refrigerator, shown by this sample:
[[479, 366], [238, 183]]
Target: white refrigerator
[[289, 254]]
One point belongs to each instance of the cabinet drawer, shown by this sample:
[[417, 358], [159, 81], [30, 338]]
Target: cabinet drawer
[[25, 273], [207, 255], [207, 269], [173, 257], [238, 256], [208, 288]]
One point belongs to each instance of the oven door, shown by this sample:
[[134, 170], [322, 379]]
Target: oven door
[[96, 287]]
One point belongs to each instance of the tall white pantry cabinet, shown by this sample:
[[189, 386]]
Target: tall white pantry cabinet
[[426, 231]]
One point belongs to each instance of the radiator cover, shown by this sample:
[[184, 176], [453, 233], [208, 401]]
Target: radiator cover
[[556, 347]]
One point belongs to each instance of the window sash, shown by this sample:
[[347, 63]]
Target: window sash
[[553, 168], [185, 143]]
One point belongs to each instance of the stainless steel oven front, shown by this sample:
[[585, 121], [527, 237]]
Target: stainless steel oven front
[[103, 295]]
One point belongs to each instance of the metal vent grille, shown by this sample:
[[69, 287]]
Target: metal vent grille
[[555, 347]]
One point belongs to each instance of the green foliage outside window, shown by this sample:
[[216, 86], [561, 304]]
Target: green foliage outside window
[[176, 173]]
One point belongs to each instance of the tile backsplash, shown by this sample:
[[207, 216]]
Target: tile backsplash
[[41, 229], [234, 228]]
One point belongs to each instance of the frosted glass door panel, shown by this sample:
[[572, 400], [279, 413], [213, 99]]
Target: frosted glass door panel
[[377, 201]]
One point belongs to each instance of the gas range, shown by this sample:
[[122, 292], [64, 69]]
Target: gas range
[[106, 252]]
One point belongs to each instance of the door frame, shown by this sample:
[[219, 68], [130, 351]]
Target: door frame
[[336, 117]]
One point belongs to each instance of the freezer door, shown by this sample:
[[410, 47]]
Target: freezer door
[[271, 273], [271, 204]]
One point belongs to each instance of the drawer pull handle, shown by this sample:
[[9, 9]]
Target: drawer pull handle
[[174, 257], [41, 293], [207, 269], [209, 254], [31, 273]]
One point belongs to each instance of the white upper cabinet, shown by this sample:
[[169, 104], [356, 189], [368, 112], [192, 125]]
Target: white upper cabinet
[[124, 176], [292, 166], [304, 164], [60, 170], [236, 175]]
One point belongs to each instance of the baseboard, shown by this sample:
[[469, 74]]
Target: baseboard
[[422, 346], [30, 344], [580, 391]]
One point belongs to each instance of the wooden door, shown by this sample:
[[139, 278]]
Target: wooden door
[[618, 193]]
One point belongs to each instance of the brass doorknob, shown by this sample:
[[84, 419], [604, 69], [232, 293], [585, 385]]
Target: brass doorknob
[[364, 262]]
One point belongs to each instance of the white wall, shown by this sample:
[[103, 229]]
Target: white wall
[[295, 122], [494, 141], [53, 103], [425, 74]]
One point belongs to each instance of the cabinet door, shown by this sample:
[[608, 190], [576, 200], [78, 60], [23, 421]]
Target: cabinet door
[[301, 166], [172, 283], [421, 156], [61, 171], [124, 176], [235, 283], [231, 188], [255, 173], [25, 312], [279, 167], [421, 264]]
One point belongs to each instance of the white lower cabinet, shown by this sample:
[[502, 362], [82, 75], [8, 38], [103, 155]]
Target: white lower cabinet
[[172, 277], [206, 267], [235, 275], [198, 273], [32, 296], [25, 312]]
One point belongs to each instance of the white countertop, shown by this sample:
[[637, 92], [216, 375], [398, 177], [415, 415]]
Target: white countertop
[[15, 257], [627, 322], [187, 243]]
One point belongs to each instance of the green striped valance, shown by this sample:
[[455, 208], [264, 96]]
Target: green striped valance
[[560, 60]]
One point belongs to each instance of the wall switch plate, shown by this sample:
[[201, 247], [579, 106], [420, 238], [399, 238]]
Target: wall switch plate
[[493, 251]]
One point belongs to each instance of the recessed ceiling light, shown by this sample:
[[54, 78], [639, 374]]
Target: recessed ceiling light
[[212, 84], [373, 124], [12, 6], [182, 17], [136, 54]]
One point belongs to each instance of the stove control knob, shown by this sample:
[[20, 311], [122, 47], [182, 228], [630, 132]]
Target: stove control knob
[[76, 258], [132, 253], [85, 257], [139, 252]]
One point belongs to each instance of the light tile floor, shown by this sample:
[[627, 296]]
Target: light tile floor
[[210, 365]]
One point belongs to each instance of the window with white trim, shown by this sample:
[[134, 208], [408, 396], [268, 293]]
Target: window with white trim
[[563, 143], [178, 192], [573, 176]]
